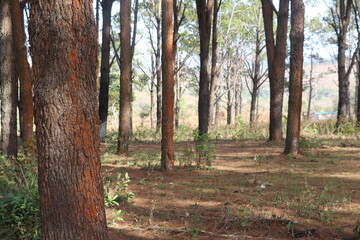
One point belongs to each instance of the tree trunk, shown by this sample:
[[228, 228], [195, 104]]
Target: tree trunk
[[296, 74], [8, 83], [311, 87], [158, 74], [125, 77], [64, 55], [105, 67], [167, 140], [213, 80], [152, 104], [358, 90], [229, 95], [276, 63], [24, 73], [253, 105], [343, 82], [204, 12]]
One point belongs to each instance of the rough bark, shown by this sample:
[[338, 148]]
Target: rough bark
[[24, 73], [168, 64], [296, 75], [8, 83], [64, 53], [276, 54], [204, 13], [105, 67], [125, 77]]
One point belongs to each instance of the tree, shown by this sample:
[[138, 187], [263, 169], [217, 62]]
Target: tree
[[296, 75], [8, 83], [357, 22], [64, 54], [125, 76], [254, 68], [24, 73], [105, 67], [167, 140], [276, 54], [204, 12], [339, 20]]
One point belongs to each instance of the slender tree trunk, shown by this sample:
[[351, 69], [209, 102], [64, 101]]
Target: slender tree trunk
[[167, 140], [296, 75], [158, 75], [229, 95], [64, 57], [105, 67], [204, 13], [276, 63], [152, 104], [241, 97], [177, 98], [236, 97], [213, 80], [125, 77], [8, 83], [311, 87], [358, 91], [24, 73], [217, 110], [253, 105]]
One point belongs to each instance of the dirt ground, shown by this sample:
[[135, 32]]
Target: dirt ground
[[251, 191]]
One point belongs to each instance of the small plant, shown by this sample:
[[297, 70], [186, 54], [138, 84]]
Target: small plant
[[19, 201], [116, 189], [204, 150], [356, 228], [146, 160]]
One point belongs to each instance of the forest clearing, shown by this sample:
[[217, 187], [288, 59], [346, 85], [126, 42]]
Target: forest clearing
[[251, 191]]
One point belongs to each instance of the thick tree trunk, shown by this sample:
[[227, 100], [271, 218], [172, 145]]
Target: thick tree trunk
[[167, 140], [276, 63], [204, 13], [64, 55], [296, 74], [24, 73], [8, 83], [105, 67], [125, 77]]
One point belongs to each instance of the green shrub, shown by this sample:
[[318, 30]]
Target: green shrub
[[116, 189], [19, 202]]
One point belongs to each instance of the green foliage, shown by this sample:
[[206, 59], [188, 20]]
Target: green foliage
[[146, 134], [116, 189], [19, 201], [146, 160], [307, 202], [204, 150]]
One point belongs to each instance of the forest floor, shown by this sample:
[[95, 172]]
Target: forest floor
[[251, 191]]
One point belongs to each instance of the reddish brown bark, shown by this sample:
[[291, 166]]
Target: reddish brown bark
[[125, 76], [276, 54], [168, 64], [24, 73], [64, 53], [204, 12], [296, 75], [8, 83]]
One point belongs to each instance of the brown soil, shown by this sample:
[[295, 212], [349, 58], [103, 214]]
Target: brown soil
[[250, 192]]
